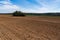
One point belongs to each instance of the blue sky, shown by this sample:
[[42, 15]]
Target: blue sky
[[33, 6]]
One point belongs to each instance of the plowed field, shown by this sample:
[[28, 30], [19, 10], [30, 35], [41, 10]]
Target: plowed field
[[29, 28]]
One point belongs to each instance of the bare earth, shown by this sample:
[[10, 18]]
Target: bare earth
[[29, 28]]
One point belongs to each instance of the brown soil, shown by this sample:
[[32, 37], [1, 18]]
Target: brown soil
[[29, 28]]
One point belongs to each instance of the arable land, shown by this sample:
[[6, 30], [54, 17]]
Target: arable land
[[29, 28]]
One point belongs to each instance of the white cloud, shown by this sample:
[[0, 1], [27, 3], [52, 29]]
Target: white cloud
[[7, 6], [48, 7], [5, 2]]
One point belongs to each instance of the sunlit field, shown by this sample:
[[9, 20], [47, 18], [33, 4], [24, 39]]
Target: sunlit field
[[29, 27]]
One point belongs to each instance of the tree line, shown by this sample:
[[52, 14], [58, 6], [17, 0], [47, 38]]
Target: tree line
[[19, 13]]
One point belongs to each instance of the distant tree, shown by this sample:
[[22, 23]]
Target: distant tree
[[18, 13]]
